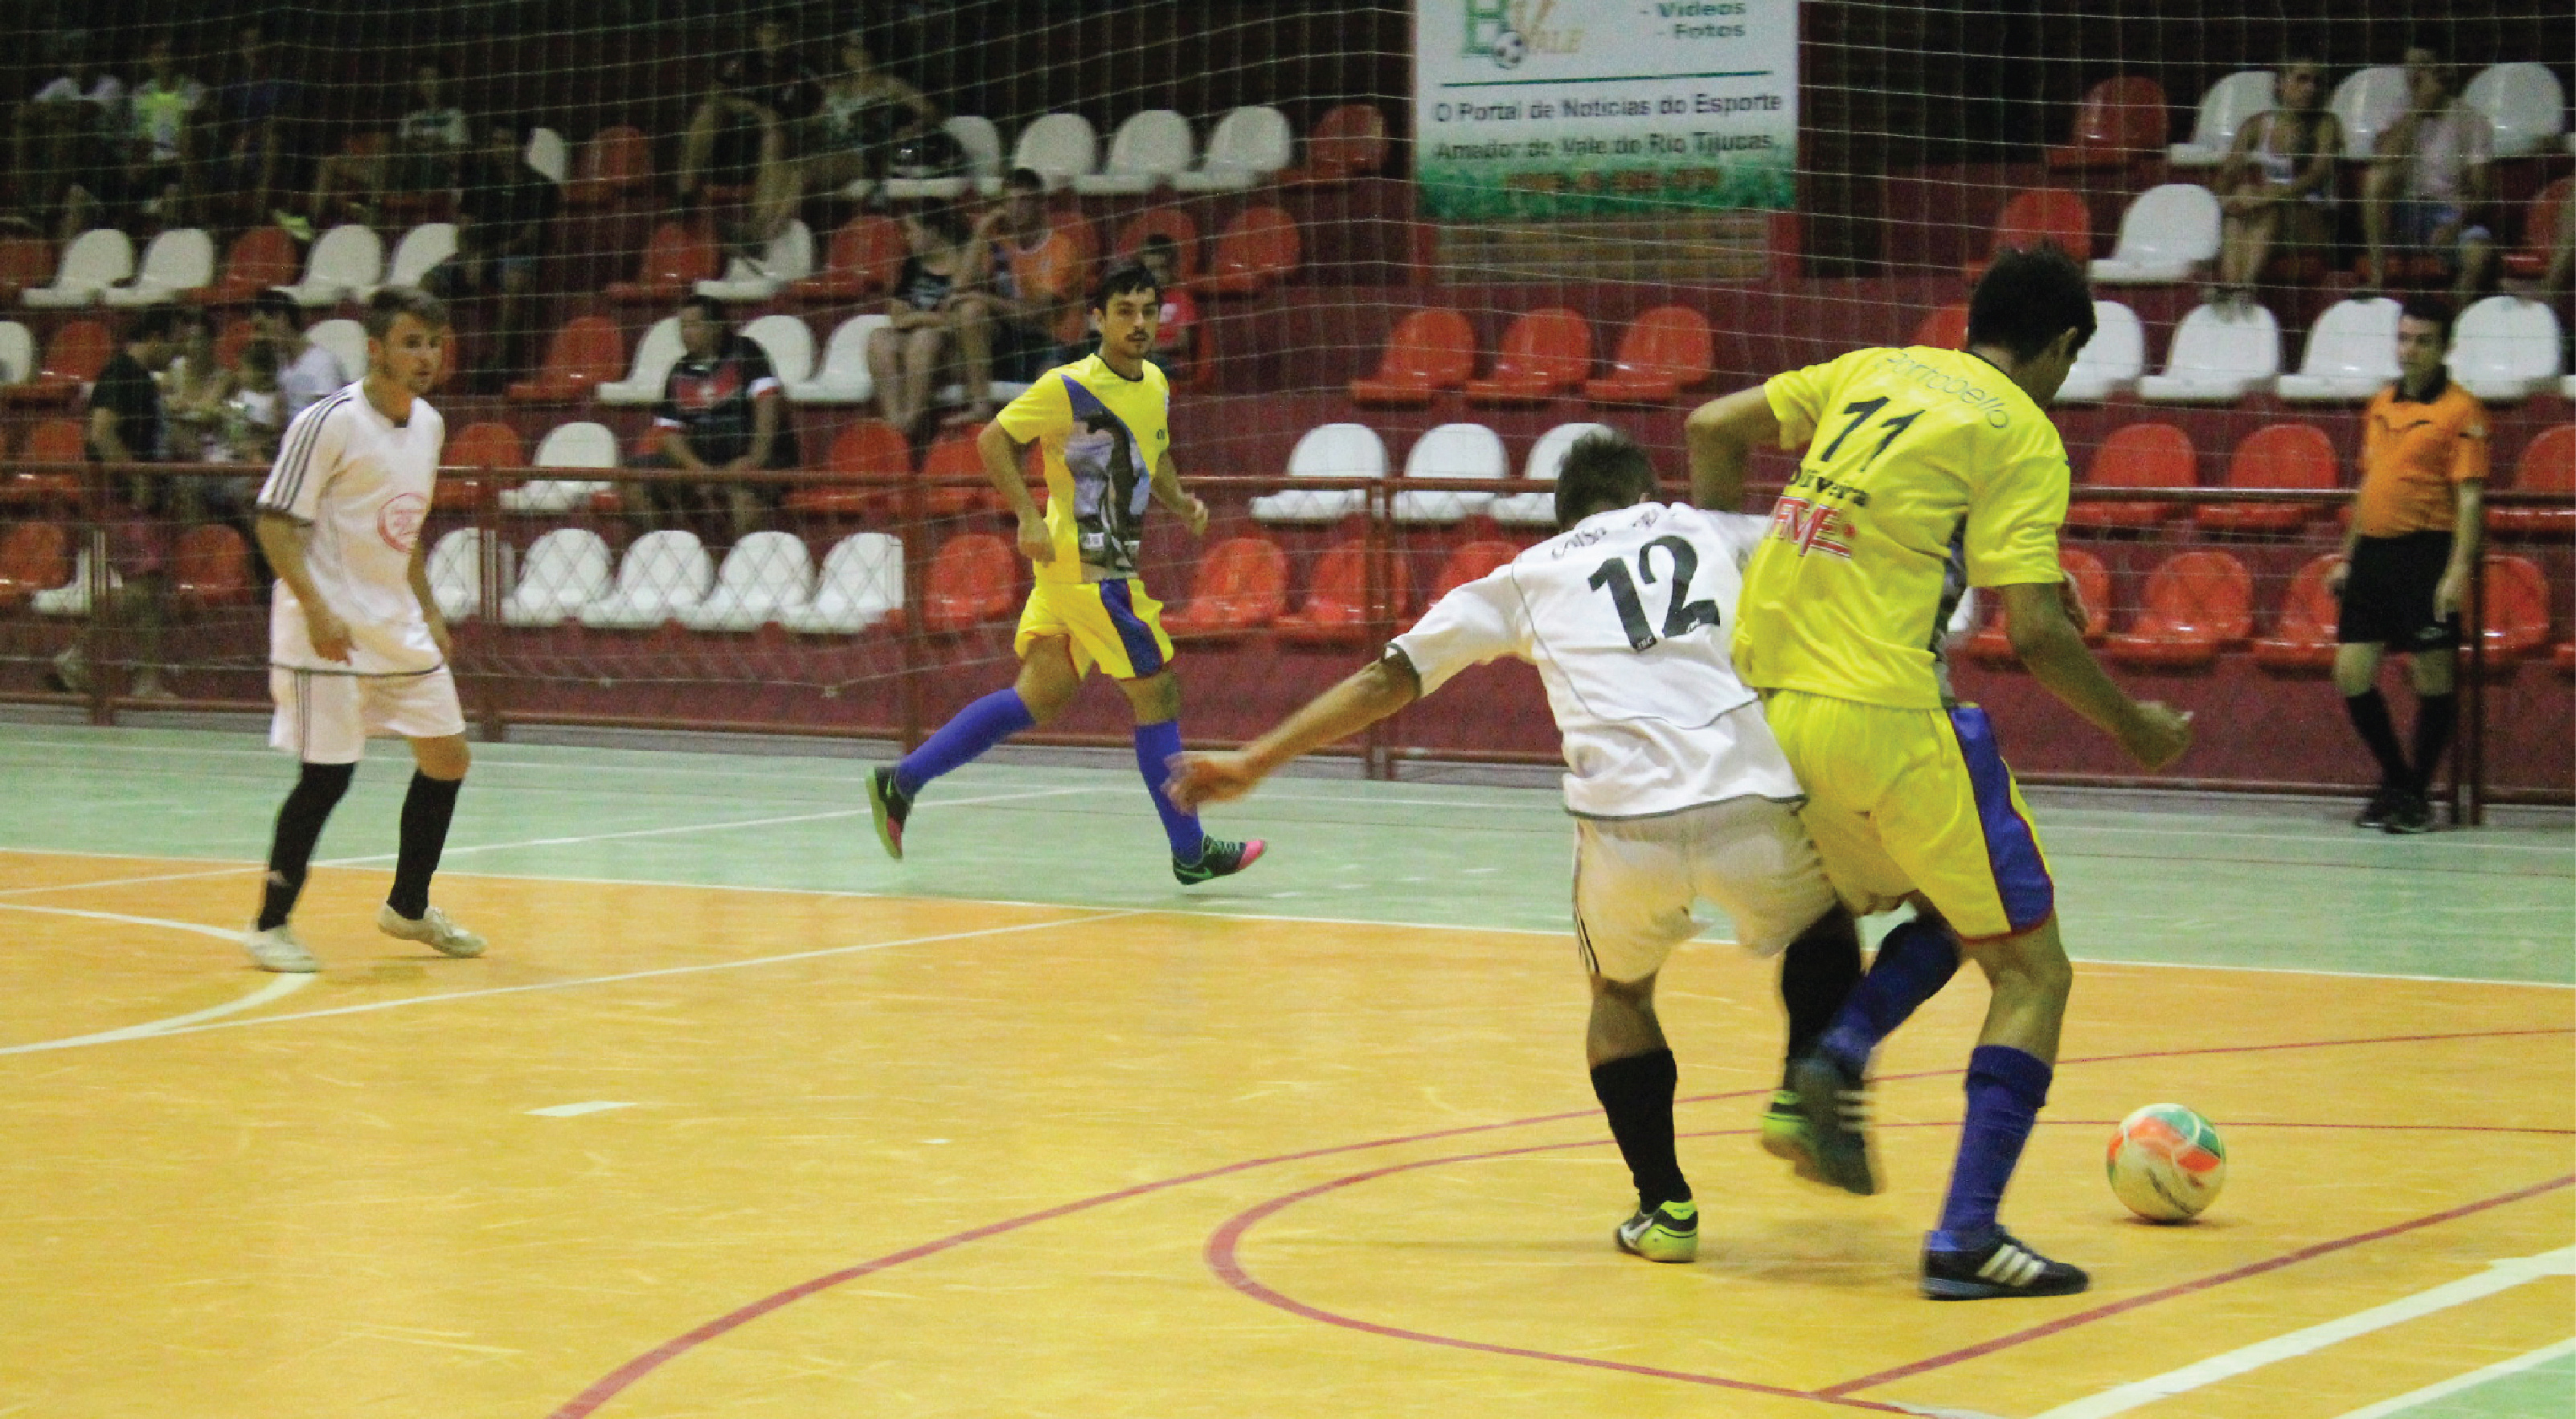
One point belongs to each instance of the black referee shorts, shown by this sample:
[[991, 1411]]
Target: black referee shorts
[[2388, 596]]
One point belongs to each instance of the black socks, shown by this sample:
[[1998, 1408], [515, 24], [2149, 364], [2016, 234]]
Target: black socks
[[2435, 715], [1637, 1094], [299, 827], [2369, 711], [425, 813], [1817, 974]]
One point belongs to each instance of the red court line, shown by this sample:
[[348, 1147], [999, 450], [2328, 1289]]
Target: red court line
[[625, 1376]]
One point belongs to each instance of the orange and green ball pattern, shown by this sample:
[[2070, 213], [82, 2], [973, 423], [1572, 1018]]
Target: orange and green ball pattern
[[2166, 1163]]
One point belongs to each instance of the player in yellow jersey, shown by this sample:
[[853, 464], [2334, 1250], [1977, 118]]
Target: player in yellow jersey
[[1927, 472], [1104, 423]]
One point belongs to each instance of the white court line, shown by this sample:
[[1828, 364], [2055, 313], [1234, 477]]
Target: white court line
[[2471, 1380], [279, 988], [595, 1106], [2499, 1276]]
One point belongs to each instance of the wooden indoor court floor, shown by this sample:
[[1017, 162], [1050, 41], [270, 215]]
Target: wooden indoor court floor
[[738, 1118]]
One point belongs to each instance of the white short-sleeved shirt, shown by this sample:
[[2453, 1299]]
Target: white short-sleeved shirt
[[315, 375], [2447, 145], [363, 484], [1627, 617]]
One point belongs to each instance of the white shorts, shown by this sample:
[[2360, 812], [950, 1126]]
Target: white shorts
[[323, 718], [1636, 878]]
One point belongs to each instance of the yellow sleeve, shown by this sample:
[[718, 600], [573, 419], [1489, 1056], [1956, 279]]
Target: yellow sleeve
[[2011, 535], [1042, 409], [1798, 398]]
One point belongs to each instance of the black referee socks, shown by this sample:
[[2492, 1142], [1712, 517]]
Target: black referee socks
[[299, 827]]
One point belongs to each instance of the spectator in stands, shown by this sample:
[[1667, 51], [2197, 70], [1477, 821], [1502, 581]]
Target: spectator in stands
[[424, 154], [742, 135], [2407, 559], [127, 426], [723, 410], [2277, 187], [307, 372], [1038, 282], [1176, 335], [502, 217], [194, 387], [941, 318], [2428, 182], [62, 142], [157, 180], [867, 115], [253, 110]]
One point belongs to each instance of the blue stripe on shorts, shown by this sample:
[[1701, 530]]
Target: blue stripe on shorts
[[2012, 851], [1144, 653]]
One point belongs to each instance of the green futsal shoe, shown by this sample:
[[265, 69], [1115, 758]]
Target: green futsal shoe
[[1785, 1135], [1669, 1232]]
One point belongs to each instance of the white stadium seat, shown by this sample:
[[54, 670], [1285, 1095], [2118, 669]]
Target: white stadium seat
[[1343, 451], [94, 261], [566, 571], [789, 257], [766, 575], [1537, 508], [844, 377], [548, 153], [654, 355], [1058, 146], [1150, 147], [982, 143], [1249, 145], [179, 260], [2351, 355], [663, 577], [456, 573], [2165, 233], [789, 343], [2219, 355], [345, 339], [2223, 110], [421, 248], [2367, 102], [1451, 451], [346, 261], [17, 353], [581, 444], [2112, 361], [2505, 348], [72, 597], [862, 584], [2524, 102]]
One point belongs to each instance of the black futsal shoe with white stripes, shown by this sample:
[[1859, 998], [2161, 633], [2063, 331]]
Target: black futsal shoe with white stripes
[[1835, 1100], [2002, 1267]]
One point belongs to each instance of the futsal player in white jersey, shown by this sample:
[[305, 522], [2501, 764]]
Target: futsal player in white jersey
[[356, 643], [1677, 788]]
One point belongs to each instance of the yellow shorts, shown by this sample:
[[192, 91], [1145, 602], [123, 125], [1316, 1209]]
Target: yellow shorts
[[1111, 624], [1913, 800]]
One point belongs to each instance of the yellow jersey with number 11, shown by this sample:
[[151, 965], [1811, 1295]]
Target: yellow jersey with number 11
[[1926, 471]]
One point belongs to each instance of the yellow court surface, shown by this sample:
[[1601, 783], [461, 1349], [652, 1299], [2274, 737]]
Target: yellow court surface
[[753, 1148]]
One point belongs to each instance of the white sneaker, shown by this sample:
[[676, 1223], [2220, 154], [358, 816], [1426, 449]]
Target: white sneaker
[[276, 949], [433, 928]]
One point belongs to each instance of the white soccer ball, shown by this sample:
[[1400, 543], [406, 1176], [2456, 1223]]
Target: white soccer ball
[[1510, 49]]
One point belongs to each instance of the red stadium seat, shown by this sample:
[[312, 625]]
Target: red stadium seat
[[954, 468], [2565, 657], [2274, 456], [73, 358], [34, 556], [1348, 141], [616, 160], [1473, 561], [2540, 223], [1257, 250], [1429, 350], [483, 445], [2042, 216], [1662, 352], [676, 259], [1993, 642], [876, 463], [2517, 607], [258, 259], [863, 259], [2198, 603], [585, 352], [56, 441], [1173, 222], [1545, 353], [24, 262], [2119, 122], [973, 580], [210, 566], [1241, 585], [2304, 637], [234, 338], [2548, 465], [2138, 456], [1944, 329], [1336, 611]]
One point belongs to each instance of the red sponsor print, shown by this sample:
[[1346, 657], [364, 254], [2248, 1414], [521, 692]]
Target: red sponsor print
[[399, 522]]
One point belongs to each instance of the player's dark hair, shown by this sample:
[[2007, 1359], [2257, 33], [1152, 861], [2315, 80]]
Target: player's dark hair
[[277, 303], [160, 322], [2421, 306], [1121, 279], [705, 305], [1024, 180], [2027, 298], [394, 302], [1605, 469]]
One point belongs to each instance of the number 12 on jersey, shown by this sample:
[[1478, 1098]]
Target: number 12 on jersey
[[1681, 614]]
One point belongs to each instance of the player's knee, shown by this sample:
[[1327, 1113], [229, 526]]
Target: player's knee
[[1155, 698], [446, 758], [2434, 672], [1636, 996]]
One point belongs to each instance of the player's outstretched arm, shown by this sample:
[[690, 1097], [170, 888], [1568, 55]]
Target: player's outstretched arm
[[1002, 467], [1721, 435], [1363, 699], [2053, 650]]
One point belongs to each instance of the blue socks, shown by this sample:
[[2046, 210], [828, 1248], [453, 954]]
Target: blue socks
[[962, 740], [1155, 746], [1913, 963], [2006, 1088]]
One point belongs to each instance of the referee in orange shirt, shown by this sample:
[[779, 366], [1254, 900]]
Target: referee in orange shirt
[[2414, 537]]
